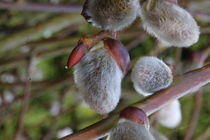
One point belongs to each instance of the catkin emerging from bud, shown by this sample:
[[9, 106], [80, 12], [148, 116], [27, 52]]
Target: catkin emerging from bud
[[129, 130], [112, 15], [171, 24], [99, 79], [170, 116], [150, 74]]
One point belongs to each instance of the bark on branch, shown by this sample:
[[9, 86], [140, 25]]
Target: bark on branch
[[41, 7]]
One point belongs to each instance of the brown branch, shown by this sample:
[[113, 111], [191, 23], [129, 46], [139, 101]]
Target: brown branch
[[25, 102], [186, 84], [195, 115], [41, 47], [204, 55], [178, 62], [41, 7], [52, 25], [199, 61], [205, 135], [34, 83], [54, 119], [90, 41], [39, 87]]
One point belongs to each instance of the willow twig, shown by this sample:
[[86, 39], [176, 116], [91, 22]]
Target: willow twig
[[199, 61], [205, 135], [41, 7], [25, 101], [30, 34], [195, 116], [39, 87]]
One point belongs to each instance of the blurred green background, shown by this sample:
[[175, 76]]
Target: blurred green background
[[40, 42]]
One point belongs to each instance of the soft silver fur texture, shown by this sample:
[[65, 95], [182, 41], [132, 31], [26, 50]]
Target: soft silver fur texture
[[171, 24], [129, 130], [150, 74], [170, 116], [98, 77], [112, 15]]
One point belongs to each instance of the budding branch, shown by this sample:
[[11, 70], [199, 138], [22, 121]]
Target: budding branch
[[185, 84]]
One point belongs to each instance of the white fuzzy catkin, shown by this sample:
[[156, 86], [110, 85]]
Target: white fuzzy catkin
[[112, 15], [129, 130], [150, 75], [98, 77], [170, 116], [171, 24]]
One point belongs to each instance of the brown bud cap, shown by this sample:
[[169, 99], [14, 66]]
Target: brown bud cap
[[118, 52], [76, 55], [136, 115]]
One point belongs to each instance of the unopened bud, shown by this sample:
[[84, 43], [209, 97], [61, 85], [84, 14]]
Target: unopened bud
[[150, 75], [98, 77], [136, 115], [169, 23], [129, 130], [110, 15], [170, 116]]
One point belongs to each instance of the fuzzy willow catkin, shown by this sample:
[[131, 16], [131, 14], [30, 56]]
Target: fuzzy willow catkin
[[112, 15], [169, 23], [170, 116], [150, 75], [98, 77], [129, 130]]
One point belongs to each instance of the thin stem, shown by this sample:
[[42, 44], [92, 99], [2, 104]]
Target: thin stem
[[25, 102], [195, 116], [205, 135], [41, 7], [90, 41], [186, 84], [178, 62], [197, 97], [31, 34]]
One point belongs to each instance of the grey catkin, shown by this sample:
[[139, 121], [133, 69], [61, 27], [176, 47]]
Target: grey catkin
[[112, 15], [170, 24], [129, 130], [150, 75], [98, 77]]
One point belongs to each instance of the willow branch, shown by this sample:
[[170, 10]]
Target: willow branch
[[33, 33], [185, 84], [42, 47], [205, 135], [199, 61], [41, 7], [195, 116], [25, 102], [39, 87], [41, 52]]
